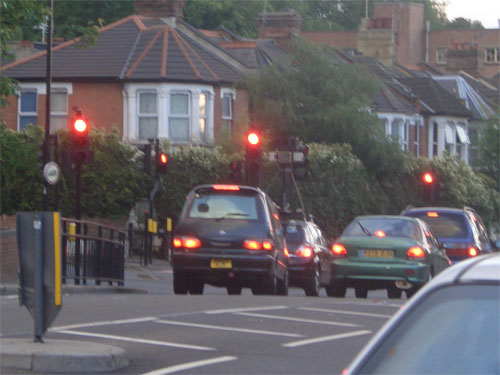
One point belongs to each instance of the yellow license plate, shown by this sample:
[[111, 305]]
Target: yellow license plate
[[220, 263], [378, 253]]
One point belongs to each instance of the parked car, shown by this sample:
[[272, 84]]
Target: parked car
[[461, 231], [385, 252], [451, 326], [310, 260], [229, 236]]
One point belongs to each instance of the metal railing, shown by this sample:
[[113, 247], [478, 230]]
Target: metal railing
[[92, 252]]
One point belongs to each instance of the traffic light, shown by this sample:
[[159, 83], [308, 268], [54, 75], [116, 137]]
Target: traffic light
[[432, 188], [235, 171], [253, 157], [300, 161], [79, 139], [161, 162], [146, 158]]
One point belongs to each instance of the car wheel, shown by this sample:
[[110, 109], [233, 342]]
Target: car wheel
[[282, 285], [361, 292], [233, 289], [312, 287], [336, 290], [180, 283], [393, 292], [196, 287]]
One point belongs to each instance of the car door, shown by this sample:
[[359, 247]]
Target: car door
[[323, 254], [439, 259]]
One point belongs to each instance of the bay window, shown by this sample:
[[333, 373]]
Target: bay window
[[178, 119], [147, 115]]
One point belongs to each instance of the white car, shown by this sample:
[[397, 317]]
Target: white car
[[451, 326]]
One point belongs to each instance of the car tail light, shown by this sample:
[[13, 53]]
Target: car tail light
[[416, 253], [187, 242], [257, 245], [303, 252], [472, 251], [287, 253], [226, 187], [339, 250], [432, 214], [380, 233]]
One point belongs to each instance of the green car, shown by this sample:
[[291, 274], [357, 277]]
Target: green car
[[385, 252]]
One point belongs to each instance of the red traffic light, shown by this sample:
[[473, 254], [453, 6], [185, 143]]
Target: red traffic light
[[80, 125], [253, 139], [163, 158], [428, 178]]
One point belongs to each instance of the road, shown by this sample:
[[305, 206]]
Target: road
[[214, 333]]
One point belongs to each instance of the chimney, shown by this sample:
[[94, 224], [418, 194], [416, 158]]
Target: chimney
[[160, 8], [280, 26]]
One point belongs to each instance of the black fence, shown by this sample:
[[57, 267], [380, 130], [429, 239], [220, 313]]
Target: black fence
[[92, 252]]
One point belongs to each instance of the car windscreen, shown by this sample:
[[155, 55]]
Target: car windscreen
[[383, 227], [453, 331], [444, 224], [224, 205], [294, 233]]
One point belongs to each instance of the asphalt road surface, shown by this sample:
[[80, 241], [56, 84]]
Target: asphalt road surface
[[214, 333]]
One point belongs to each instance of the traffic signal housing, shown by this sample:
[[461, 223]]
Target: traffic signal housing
[[162, 160], [80, 139], [235, 171], [146, 158], [253, 157], [432, 188]]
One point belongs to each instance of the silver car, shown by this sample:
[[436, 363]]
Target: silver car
[[451, 326]]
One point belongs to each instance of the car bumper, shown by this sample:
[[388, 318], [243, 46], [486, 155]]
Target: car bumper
[[243, 268], [300, 271], [378, 275]]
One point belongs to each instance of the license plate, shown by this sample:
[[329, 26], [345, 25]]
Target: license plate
[[377, 253], [220, 263]]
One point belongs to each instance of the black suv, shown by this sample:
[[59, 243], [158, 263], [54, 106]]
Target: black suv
[[310, 260], [461, 231], [229, 236]]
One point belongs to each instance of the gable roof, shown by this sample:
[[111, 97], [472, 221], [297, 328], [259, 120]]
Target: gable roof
[[134, 48], [437, 99]]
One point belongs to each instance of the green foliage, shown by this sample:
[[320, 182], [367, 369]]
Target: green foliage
[[488, 161], [462, 23]]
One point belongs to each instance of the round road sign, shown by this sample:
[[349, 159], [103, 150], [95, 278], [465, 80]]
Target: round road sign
[[51, 172]]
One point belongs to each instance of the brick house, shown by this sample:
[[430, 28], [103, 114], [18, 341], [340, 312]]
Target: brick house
[[149, 75]]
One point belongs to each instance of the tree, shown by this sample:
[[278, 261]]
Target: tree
[[488, 161], [464, 24]]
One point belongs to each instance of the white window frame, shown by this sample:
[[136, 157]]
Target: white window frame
[[146, 115], [181, 116], [492, 55], [227, 93], [59, 114], [20, 113], [441, 55], [203, 132]]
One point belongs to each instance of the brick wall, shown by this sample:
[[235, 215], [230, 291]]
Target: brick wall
[[9, 260]]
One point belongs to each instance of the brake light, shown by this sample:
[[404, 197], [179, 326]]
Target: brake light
[[257, 245], [339, 250], [416, 253], [226, 187], [380, 233], [432, 214], [287, 253], [186, 242], [304, 252], [472, 251]]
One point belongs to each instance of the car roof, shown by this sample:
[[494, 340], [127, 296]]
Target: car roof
[[437, 209], [386, 217]]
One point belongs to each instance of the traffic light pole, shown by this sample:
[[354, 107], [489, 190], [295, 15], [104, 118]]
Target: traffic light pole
[[78, 216], [287, 189]]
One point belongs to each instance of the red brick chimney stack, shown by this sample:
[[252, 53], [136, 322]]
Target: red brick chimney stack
[[160, 8]]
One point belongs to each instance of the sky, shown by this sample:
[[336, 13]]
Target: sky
[[486, 11]]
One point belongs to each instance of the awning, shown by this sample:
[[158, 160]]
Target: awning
[[462, 135]]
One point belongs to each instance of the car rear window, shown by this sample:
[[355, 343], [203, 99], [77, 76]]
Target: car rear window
[[295, 233], [223, 205], [383, 227], [444, 224]]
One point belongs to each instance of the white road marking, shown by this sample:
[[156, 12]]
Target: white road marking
[[242, 309], [104, 323], [302, 320], [190, 365], [136, 340], [233, 329], [316, 340], [346, 312]]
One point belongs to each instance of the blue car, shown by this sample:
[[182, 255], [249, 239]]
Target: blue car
[[461, 231]]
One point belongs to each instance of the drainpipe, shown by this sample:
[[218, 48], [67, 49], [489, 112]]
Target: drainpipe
[[427, 32]]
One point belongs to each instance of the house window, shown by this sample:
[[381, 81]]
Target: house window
[[441, 53], [203, 116], [27, 109], [58, 110], [434, 139], [148, 115], [450, 139], [178, 119], [416, 143], [492, 55], [399, 133], [227, 113]]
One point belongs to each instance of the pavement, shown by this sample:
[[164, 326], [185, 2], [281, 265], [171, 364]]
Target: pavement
[[73, 356]]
